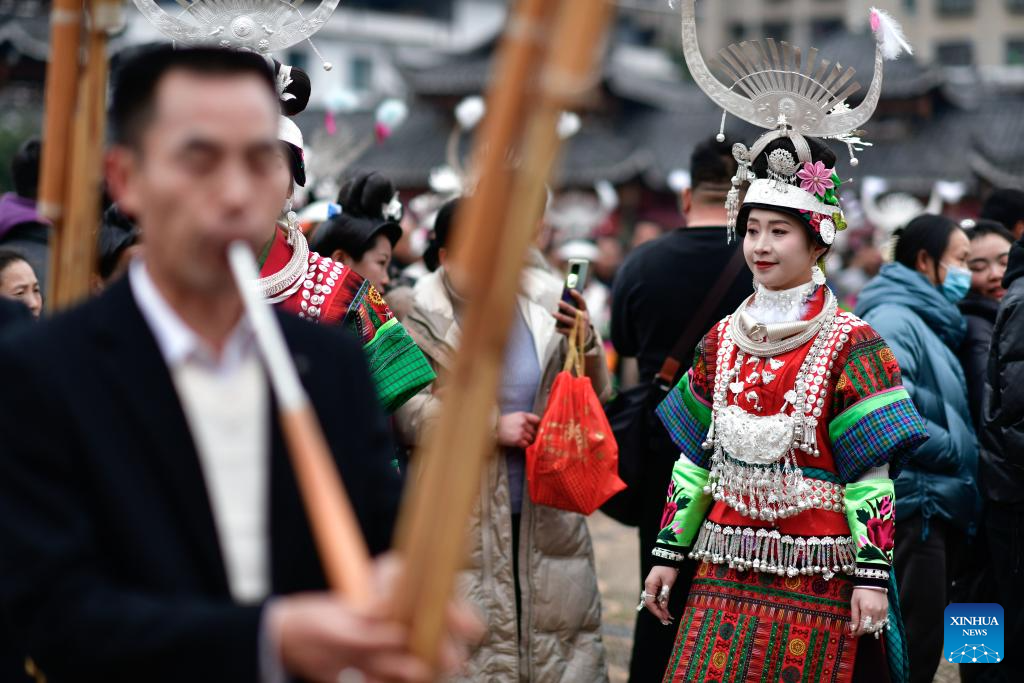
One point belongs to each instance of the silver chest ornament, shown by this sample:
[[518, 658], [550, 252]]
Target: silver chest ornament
[[262, 26], [754, 457]]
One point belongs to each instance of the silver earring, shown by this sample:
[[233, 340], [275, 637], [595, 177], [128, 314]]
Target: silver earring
[[817, 275], [292, 219]]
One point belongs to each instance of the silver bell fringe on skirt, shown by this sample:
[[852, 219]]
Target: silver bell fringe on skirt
[[767, 550]]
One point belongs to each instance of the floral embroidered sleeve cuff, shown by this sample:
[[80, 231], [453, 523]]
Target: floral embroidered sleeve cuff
[[871, 513], [685, 508]]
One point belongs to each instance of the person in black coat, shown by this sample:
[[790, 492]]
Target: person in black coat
[[151, 525], [990, 250], [1001, 470], [111, 562], [13, 314]]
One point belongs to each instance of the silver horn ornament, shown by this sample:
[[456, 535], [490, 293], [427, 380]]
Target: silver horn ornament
[[261, 26]]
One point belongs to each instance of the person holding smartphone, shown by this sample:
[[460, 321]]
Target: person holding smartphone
[[531, 567]]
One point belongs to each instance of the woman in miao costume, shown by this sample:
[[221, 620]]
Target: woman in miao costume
[[322, 290], [792, 422]]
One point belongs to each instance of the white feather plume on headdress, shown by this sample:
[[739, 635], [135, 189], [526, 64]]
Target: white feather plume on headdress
[[889, 34]]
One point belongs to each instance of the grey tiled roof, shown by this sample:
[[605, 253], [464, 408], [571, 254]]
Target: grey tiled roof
[[911, 153], [467, 75], [597, 152], [955, 143], [26, 26], [904, 77], [652, 126], [997, 155], [408, 156]]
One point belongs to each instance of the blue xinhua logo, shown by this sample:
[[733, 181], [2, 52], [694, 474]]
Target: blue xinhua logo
[[973, 633]]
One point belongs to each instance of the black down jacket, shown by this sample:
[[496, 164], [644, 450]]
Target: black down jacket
[[1002, 438]]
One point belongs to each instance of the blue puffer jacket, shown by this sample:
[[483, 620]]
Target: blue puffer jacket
[[924, 330]]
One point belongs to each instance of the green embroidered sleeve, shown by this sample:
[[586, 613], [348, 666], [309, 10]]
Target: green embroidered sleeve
[[871, 512], [398, 367], [685, 508]]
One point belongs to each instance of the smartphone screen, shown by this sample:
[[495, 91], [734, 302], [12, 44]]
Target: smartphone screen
[[575, 278]]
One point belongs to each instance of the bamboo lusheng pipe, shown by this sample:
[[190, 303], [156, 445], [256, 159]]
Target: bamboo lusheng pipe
[[431, 526], [495, 229], [61, 92], [76, 251], [339, 539]]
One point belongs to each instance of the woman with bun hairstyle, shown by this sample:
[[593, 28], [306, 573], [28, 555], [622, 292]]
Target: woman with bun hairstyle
[[912, 302], [363, 236], [322, 289]]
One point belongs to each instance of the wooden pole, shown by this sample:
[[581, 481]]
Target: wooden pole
[[495, 230], [61, 92], [76, 252], [426, 589], [339, 540]]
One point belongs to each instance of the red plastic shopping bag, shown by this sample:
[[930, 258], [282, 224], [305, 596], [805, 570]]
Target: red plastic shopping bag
[[574, 462]]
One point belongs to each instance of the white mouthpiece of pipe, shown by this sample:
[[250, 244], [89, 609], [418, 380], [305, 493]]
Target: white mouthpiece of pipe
[[283, 376]]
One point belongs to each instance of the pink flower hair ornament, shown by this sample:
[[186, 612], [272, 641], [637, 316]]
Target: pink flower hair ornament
[[815, 178]]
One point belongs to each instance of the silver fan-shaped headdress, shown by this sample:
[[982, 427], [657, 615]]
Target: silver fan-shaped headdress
[[262, 26], [794, 95]]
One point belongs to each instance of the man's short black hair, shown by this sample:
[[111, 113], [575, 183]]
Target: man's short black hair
[[712, 163], [25, 168], [1004, 206], [137, 78]]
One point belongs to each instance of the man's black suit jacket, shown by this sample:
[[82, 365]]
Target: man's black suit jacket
[[110, 566]]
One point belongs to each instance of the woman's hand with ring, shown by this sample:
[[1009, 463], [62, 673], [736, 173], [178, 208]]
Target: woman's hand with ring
[[868, 611], [656, 591]]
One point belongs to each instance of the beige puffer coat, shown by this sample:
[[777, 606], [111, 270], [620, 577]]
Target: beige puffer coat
[[561, 620]]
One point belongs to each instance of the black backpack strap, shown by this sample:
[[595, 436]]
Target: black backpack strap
[[699, 323]]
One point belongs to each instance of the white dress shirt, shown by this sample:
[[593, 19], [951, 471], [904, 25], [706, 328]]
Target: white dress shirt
[[225, 401]]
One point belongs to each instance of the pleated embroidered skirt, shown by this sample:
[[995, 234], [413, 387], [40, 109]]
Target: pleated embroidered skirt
[[754, 627]]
